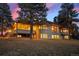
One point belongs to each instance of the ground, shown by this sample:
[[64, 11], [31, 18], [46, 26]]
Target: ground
[[21, 47]]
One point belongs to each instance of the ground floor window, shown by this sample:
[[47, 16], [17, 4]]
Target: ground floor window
[[19, 36], [66, 37], [44, 35], [55, 36]]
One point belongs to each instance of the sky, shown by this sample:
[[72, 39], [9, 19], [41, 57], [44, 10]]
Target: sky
[[53, 9]]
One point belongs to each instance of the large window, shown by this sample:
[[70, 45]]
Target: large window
[[54, 28], [65, 30], [66, 37], [21, 26], [34, 28], [55, 37], [44, 36], [43, 27]]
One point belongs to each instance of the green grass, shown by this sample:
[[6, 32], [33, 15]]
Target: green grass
[[39, 47]]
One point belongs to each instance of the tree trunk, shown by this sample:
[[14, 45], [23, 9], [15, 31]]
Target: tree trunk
[[2, 27], [31, 31], [69, 34], [31, 27], [61, 37]]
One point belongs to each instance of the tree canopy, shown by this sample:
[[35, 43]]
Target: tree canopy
[[34, 12], [67, 15]]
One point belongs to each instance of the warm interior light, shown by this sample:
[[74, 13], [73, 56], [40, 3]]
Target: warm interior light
[[21, 26], [44, 36], [19, 36], [65, 31], [43, 27], [66, 37], [55, 36], [54, 28], [9, 30], [34, 28]]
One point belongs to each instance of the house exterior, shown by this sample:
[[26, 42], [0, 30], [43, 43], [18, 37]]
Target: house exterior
[[48, 30]]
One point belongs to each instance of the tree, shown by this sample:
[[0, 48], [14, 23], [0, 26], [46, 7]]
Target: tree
[[33, 12], [66, 16], [5, 16]]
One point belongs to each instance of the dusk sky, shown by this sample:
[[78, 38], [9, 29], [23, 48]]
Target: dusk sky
[[52, 12]]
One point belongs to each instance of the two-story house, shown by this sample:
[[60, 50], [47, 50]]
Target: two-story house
[[48, 30]]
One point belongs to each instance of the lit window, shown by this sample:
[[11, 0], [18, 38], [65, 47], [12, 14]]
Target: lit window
[[44, 36], [9, 30], [18, 35], [22, 26], [34, 27], [54, 28], [64, 30], [55, 36], [27, 27], [43, 27], [66, 37]]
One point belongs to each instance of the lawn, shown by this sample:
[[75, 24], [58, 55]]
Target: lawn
[[39, 47]]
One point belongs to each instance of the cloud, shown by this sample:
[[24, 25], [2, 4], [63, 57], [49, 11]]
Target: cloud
[[14, 13], [77, 9], [14, 8]]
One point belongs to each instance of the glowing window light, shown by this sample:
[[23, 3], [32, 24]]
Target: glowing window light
[[44, 35], [55, 36], [21, 26], [65, 31], [54, 28], [34, 27], [66, 37], [52, 36], [19, 36], [9, 30], [43, 27]]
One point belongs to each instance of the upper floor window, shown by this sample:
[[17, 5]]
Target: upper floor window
[[21, 26], [44, 35], [54, 28], [43, 27], [55, 37], [65, 30]]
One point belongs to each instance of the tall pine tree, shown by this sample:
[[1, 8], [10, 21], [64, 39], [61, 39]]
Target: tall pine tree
[[5, 16], [66, 17], [33, 12]]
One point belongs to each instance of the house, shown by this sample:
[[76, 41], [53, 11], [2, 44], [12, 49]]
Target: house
[[47, 30]]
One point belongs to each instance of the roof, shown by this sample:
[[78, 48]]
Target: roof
[[39, 23]]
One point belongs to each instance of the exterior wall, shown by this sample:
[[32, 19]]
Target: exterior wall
[[21, 26], [53, 33], [41, 31], [44, 30], [49, 32], [65, 33]]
